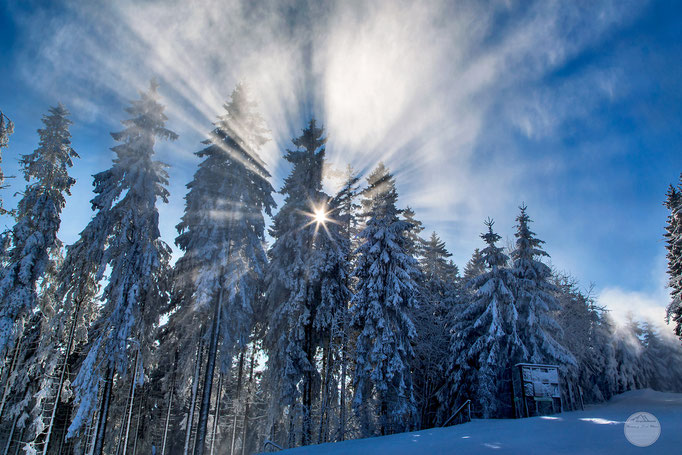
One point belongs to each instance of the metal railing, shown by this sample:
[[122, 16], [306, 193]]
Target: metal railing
[[273, 445], [466, 404]]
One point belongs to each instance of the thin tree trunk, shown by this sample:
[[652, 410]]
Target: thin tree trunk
[[239, 389], [63, 443], [62, 376], [170, 405], [8, 387], [103, 412], [21, 437], [425, 402], [200, 442], [122, 427], [165, 427], [195, 387], [248, 398], [307, 399], [137, 426], [351, 223], [344, 372], [216, 416], [383, 417], [327, 365], [292, 434], [323, 390], [92, 435], [132, 403], [11, 435]]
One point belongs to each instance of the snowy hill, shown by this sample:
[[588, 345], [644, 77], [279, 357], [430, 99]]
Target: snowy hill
[[597, 430]]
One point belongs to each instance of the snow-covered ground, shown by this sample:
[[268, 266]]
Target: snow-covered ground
[[597, 430]]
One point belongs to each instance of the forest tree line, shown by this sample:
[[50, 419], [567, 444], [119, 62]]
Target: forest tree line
[[349, 323]]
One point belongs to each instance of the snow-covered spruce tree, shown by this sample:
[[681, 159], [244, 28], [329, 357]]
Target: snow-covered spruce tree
[[439, 273], [34, 236], [415, 243], [604, 358], [661, 359], [673, 237], [348, 218], [136, 258], [655, 359], [334, 254], [484, 338], [222, 237], [6, 128], [386, 291], [44, 383], [76, 306], [439, 286], [535, 300], [474, 267], [305, 285], [630, 374], [17, 390], [583, 334]]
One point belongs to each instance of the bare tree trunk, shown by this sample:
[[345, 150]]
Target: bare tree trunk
[[327, 368], [11, 435], [236, 400], [21, 437], [10, 370], [122, 428], [170, 405], [216, 416], [92, 434], [344, 372], [104, 411], [165, 427], [292, 434], [323, 389], [208, 378], [132, 402], [307, 398], [195, 387], [63, 443], [137, 426], [62, 376], [248, 398]]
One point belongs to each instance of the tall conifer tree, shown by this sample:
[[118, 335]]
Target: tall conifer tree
[[34, 236], [222, 236], [484, 337], [535, 297], [439, 288], [136, 257], [415, 244], [6, 128], [26, 281], [673, 237], [348, 215], [474, 267], [306, 283], [386, 292]]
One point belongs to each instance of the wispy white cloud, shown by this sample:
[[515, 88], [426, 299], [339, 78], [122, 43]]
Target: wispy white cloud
[[641, 305], [434, 89]]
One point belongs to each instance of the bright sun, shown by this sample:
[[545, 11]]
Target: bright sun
[[320, 216]]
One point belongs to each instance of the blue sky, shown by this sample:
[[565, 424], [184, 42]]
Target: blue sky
[[571, 107]]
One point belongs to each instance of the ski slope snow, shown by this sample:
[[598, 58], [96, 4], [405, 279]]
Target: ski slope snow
[[596, 430]]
